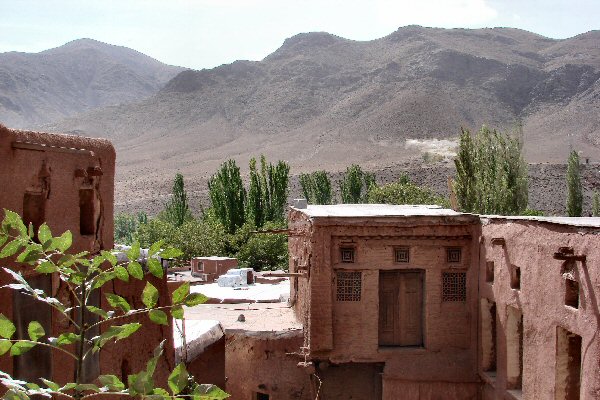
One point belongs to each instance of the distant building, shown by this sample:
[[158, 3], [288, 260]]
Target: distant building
[[68, 182], [210, 268]]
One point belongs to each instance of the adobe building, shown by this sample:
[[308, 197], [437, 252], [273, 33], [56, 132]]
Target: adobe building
[[67, 182], [419, 302], [388, 299], [539, 289], [210, 268]]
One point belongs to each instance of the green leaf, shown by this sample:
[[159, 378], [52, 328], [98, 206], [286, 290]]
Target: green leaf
[[83, 387], [177, 312], [103, 278], [7, 328], [158, 317], [140, 383], [178, 379], [135, 269], [155, 267], [150, 295], [181, 293], [161, 392], [208, 392], [32, 386], [134, 253], [116, 332], [154, 248], [32, 252], [110, 257], [4, 346], [111, 382], [170, 253], [63, 242], [44, 234], [35, 331], [21, 347], [11, 248], [118, 301], [14, 394], [158, 351], [67, 338], [55, 387], [3, 238], [193, 299], [46, 267], [97, 261], [68, 386], [14, 220], [122, 273], [30, 231], [98, 311]]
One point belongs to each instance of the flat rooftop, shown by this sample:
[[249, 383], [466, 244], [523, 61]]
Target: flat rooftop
[[584, 222], [377, 210]]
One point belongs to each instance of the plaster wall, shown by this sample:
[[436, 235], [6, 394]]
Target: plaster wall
[[541, 300]]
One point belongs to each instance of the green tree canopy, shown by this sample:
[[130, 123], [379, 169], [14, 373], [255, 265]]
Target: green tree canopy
[[177, 210], [405, 192], [228, 196], [355, 185], [316, 187], [491, 174]]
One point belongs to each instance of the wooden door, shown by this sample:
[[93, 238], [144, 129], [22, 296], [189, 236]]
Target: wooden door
[[401, 308]]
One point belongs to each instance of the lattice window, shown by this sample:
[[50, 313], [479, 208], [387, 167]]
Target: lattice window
[[454, 286], [402, 254], [453, 255], [349, 285], [347, 254]]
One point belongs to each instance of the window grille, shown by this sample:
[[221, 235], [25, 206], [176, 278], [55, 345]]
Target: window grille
[[347, 254], [453, 255], [402, 254], [349, 285], [454, 286]]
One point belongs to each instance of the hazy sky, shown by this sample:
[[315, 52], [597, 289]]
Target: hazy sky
[[206, 33]]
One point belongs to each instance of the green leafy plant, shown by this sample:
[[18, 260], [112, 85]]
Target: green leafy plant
[[316, 187], [405, 192], [83, 274], [355, 185]]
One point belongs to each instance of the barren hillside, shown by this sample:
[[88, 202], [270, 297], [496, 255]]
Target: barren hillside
[[323, 102], [83, 74]]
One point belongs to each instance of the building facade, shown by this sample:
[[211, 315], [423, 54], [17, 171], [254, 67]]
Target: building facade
[[418, 302], [68, 182]]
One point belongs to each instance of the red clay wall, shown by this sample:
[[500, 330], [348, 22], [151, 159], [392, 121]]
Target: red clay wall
[[260, 363], [209, 367], [541, 300], [56, 167]]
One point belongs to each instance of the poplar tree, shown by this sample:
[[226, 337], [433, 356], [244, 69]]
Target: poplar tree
[[574, 190], [228, 196], [491, 174], [177, 210], [316, 187], [355, 185]]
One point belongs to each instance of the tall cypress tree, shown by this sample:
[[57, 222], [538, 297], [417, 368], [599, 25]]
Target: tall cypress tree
[[574, 190]]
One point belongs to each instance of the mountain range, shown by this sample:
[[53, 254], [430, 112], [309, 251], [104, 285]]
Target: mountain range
[[84, 74], [319, 101]]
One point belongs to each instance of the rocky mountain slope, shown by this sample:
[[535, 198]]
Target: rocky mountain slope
[[323, 102], [83, 74]]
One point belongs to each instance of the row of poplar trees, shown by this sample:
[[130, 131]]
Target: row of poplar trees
[[264, 201]]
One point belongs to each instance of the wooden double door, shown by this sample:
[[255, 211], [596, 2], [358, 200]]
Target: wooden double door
[[401, 308]]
